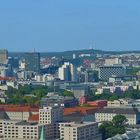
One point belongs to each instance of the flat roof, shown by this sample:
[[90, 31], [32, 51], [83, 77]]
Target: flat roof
[[119, 110], [77, 124]]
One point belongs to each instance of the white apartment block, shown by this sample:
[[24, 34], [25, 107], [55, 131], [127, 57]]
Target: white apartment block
[[67, 72], [107, 114], [50, 114], [79, 131]]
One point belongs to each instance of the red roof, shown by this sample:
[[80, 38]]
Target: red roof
[[19, 108], [34, 117], [7, 78], [83, 110]]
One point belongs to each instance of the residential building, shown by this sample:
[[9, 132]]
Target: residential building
[[23, 130], [67, 72], [79, 131], [30, 125], [50, 115], [18, 113], [113, 61]]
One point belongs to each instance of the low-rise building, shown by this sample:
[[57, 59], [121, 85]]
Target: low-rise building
[[107, 114], [56, 100], [120, 102], [15, 112]]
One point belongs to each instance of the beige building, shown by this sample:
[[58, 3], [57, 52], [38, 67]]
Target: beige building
[[50, 114], [17, 112], [113, 61], [107, 114], [15, 130], [119, 103], [21, 129], [79, 131], [17, 127]]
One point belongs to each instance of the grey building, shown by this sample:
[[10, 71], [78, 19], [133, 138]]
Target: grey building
[[3, 56], [57, 100], [80, 91], [105, 72], [32, 61]]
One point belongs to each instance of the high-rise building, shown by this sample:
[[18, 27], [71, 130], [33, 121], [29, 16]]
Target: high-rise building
[[3, 56], [67, 72], [32, 61]]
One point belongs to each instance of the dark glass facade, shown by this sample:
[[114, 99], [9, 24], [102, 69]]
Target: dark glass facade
[[32, 61]]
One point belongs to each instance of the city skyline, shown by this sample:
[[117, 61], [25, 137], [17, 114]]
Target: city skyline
[[69, 25]]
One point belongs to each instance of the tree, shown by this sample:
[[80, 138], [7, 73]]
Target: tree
[[68, 93], [18, 96], [110, 129], [119, 120], [39, 93], [103, 128]]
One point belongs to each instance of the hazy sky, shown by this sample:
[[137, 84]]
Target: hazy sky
[[59, 25]]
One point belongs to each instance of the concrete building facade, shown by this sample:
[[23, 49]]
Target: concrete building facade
[[79, 131]]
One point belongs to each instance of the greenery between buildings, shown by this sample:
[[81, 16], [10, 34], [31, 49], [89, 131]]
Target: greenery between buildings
[[30, 95], [133, 94], [116, 126]]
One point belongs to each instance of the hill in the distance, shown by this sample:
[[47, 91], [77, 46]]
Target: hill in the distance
[[69, 54]]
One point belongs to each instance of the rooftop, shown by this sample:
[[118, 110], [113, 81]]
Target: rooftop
[[82, 110], [119, 110], [34, 118], [18, 108], [77, 124], [26, 123]]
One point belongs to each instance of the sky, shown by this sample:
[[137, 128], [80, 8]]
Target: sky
[[61, 25]]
